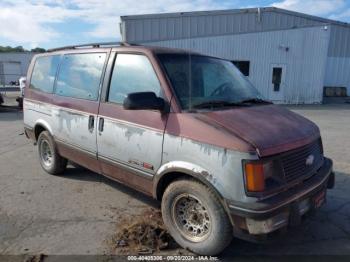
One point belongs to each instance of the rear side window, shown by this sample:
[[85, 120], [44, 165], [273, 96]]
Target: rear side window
[[132, 73], [43, 76], [80, 75]]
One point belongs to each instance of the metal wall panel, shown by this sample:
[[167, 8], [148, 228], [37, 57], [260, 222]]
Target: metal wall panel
[[239, 28], [338, 72], [339, 45], [338, 61], [305, 60], [179, 26]]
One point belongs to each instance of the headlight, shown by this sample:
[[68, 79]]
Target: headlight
[[262, 175]]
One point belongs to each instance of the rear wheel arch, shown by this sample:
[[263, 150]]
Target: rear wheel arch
[[37, 130], [40, 127]]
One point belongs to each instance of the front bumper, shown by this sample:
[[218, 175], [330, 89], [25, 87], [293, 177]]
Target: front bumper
[[285, 208]]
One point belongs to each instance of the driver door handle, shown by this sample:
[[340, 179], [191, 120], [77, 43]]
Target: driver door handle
[[91, 123], [101, 124]]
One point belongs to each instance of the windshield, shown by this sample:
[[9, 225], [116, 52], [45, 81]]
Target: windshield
[[198, 79]]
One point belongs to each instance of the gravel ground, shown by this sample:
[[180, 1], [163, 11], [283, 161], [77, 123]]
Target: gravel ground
[[77, 214]]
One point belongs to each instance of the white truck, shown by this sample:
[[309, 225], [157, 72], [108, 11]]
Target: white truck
[[22, 84]]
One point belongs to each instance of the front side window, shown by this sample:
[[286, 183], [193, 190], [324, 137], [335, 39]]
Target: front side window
[[44, 72], [80, 75], [198, 79], [132, 73]]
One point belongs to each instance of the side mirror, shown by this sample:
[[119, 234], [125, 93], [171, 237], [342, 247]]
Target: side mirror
[[144, 101]]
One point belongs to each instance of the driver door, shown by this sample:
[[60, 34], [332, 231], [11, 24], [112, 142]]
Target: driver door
[[130, 141]]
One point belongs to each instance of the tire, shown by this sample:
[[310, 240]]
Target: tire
[[20, 102], [49, 158], [205, 231]]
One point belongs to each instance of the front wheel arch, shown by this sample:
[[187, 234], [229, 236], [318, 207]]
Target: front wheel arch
[[165, 179]]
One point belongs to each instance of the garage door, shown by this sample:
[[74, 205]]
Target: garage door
[[12, 71]]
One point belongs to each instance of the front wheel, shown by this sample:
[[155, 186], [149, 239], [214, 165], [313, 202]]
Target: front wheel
[[195, 217], [50, 159]]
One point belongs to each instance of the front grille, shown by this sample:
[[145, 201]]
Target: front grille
[[294, 162]]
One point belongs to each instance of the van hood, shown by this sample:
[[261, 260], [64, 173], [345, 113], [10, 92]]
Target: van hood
[[271, 129]]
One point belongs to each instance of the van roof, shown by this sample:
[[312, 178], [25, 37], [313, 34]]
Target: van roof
[[89, 45], [155, 49]]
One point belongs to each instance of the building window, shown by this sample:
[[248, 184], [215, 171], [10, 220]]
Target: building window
[[276, 78], [243, 66]]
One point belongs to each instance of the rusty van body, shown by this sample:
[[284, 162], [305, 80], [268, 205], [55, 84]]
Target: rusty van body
[[165, 122]]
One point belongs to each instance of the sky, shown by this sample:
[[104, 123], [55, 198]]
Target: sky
[[53, 23]]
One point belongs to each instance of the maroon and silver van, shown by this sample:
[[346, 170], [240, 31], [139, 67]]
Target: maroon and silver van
[[187, 129]]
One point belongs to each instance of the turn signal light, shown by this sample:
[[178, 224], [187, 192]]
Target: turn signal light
[[255, 179]]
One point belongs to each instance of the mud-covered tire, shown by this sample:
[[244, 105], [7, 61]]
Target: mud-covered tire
[[49, 158], [214, 236]]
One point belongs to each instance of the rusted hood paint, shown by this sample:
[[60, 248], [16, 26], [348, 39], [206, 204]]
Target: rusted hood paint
[[270, 129]]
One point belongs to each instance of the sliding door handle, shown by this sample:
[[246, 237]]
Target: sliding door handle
[[101, 124], [91, 123]]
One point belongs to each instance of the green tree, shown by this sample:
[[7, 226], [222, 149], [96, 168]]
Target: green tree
[[20, 49], [38, 50]]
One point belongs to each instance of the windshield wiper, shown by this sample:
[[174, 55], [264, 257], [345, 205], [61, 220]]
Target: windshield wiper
[[223, 103], [217, 103], [255, 101]]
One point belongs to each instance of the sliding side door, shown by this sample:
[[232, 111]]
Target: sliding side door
[[76, 101]]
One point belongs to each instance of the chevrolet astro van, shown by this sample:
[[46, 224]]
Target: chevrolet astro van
[[184, 128]]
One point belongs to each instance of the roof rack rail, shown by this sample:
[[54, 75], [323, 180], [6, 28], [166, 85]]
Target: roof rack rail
[[89, 45]]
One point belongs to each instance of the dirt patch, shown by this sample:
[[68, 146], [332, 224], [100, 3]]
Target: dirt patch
[[35, 258], [142, 234]]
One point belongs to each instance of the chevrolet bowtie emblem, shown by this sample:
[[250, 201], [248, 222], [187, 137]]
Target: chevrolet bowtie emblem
[[310, 160]]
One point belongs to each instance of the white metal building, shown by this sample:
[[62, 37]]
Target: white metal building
[[13, 65], [290, 57]]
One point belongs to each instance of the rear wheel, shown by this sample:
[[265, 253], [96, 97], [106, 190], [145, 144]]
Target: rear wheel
[[195, 217], [49, 158]]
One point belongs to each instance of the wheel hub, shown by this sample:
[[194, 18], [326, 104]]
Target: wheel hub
[[191, 217], [46, 154]]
